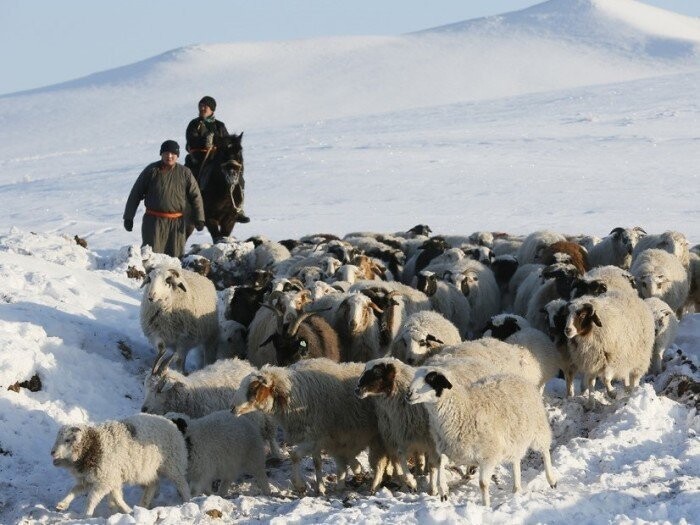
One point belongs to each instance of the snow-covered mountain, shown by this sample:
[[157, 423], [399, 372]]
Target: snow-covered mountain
[[573, 115]]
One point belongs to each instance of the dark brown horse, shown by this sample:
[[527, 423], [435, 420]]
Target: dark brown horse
[[221, 183]]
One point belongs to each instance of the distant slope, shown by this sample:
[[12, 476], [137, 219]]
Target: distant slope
[[555, 45]]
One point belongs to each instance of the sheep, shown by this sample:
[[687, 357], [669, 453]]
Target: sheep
[[486, 423], [428, 251], [534, 244], [506, 245], [504, 268], [573, 253], [672, 242], [516, 330], [202, 392], [268, 253], [616, 249], [694, 272], [660, 274], [479, 286], [538, 366], [558, 280], [307, 337], [610, 336], [601, 279], [421, 332], [447, 299], [665, 329], [314, 402], [135, 450], [178, 309], [402, 427], [391, 255], [523, 284], [221, 447], [358, 327]]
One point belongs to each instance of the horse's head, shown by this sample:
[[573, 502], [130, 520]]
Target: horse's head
[[229, 156]]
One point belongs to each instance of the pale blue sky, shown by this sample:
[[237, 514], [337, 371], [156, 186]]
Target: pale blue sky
[[44, 42]]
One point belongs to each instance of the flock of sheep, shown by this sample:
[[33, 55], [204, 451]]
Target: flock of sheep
[[423, 350]]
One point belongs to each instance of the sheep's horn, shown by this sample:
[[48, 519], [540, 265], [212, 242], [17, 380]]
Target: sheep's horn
[[280, 316], [162, 363], [297, 322]]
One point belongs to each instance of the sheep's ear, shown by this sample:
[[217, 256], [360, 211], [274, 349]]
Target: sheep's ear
[[181, 424], [267, 341], [595, 318], [433, 341], [616, 231], [146, 280], [437, 382]]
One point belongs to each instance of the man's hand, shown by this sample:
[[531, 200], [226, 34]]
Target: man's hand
[[199, 225], [128, 225]]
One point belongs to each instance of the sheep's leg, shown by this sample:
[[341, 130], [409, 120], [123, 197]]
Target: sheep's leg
[[433, 479], [94, 497], [275, 450], [341, 470], [118, 498], [569, 374], [223, 487], [78, 489], [295, 455], [442, 478], [318, 464], [355, 467], [551, 478], [261, 480], [405, 473], [516, 476], [379, 464], [420, 463], [148, 492], [632, 382], [182, 487], [607, 380], [485, 473]]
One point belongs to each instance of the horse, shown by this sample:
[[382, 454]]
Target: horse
[[220, 182]]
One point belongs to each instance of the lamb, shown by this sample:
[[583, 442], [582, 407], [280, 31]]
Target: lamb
[[403, 428], [616, 249], [486, 423], [307, 337], [447, 299], [314, 402], [178, 309], [665, 329], [612, 337], [660, 274], [202, 392], [421, 332], [516, 330], [672, 242], [103, 458], [534, 244], [601, 279], [222, 446]]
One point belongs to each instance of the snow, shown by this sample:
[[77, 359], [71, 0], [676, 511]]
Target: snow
[[573, 115]]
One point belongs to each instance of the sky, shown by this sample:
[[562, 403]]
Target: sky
[[45, 42]]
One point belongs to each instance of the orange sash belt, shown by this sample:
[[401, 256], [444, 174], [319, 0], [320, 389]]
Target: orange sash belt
[[164, 214]]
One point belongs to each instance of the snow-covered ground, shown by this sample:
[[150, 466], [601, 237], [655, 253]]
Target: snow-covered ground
[[574, 115]]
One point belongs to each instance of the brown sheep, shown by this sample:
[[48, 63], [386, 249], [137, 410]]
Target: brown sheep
[[576, 255]]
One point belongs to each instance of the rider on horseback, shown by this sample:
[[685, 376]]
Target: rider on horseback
[[201, 134]]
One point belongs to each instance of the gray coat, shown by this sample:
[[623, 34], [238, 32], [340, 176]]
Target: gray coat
[[173, 191]]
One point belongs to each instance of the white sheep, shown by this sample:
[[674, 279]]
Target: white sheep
[[179, 311], [516, 330], [221, 447], [314, 402], [672, 242], [610, 336], [665, 329], [403, 428], [615, 249], [136, 450], [422, 332], [486, 423], [534, 244], [269, 253], [523, 285], [447, 299], [202, 392], [601, 279], [660, 274], [478, 284]]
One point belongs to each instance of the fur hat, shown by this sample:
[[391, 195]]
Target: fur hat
[[170, 146], [208, 101]]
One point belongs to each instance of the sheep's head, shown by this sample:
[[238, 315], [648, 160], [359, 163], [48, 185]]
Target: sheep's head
[[357, 312], [557, 312], [652, 284], [483, 254], [427, 283], [292, 304], [582, 316], [581, 287], [413, 345], [428, 385], [259, 391], [160, 385], [626, 239], [290, 345], [66, 449], [504, 325], [161, 284], [349, 273], [420, 229], [377, 379]]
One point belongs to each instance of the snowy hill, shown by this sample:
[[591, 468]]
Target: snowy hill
[[573, 115]]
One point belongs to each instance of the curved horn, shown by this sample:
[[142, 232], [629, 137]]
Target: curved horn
[[162, 363], [297, 322], [280, 316]]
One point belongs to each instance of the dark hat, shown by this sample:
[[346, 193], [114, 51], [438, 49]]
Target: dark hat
[[208, 101], [170, 146]]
